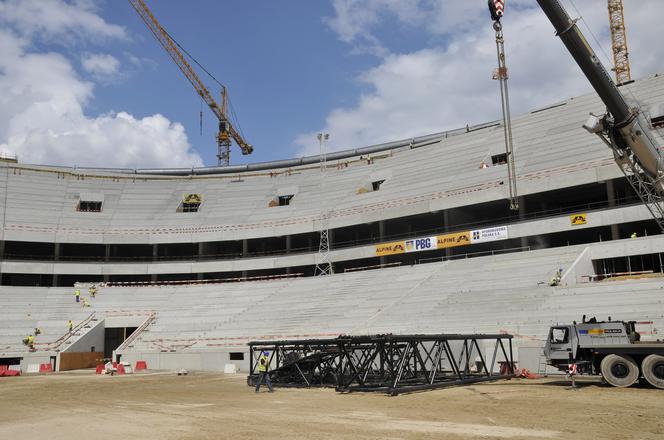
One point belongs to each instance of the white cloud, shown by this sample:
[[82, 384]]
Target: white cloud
[[43, 102], [447, 86], [57, 20], [100, 65]]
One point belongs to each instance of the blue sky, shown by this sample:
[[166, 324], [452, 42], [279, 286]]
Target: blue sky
[[284, 68], [83, 82]]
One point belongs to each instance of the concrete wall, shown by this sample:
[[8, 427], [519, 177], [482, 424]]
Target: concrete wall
[[190, 360], [523, 229], [92, 340]]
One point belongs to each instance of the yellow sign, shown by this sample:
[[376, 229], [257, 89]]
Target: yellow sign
[[578, 219], [397, 247], [192, 198], [452, 240]]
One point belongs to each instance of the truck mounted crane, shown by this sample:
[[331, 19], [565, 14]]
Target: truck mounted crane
[[226, 130], [612, 349]]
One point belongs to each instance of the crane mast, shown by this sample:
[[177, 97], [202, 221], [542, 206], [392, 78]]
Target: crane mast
[[625, 129], [226, 129], [619, 42]]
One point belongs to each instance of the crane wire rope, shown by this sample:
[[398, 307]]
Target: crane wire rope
[[233, 115]]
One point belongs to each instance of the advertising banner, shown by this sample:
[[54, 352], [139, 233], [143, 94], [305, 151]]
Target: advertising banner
[[396, 247], [439, 242], [422, 244], [490, 234], [452, 240]]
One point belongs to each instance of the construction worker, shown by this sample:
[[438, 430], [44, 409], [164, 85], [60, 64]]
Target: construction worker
[[85, 302], [70, 326], [633, 235], [92, 290], [555, 280], [263, 371], [77, 294], [30, 342], [37, 331]]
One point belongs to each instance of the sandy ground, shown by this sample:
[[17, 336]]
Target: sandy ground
[[163, 406]]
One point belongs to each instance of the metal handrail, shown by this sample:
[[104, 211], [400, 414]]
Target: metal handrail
[[54, 345], [150, 319]]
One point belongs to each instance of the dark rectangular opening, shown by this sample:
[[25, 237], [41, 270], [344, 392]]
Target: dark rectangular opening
[[238, 356], [88, 206], [285, 200], [376, 185], [499, 159], [113, 337], [657, 122]]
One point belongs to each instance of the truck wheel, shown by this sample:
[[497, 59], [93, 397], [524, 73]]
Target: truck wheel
[[653, 370], [619, 371]]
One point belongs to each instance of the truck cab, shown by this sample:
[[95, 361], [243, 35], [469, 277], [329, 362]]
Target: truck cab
[[561, 345]]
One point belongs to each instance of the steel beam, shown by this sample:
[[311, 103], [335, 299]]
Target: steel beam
[[387, 363]]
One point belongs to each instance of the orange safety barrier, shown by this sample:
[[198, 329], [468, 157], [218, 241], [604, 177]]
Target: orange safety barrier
[[141, 365], [121, 369], [45, 368], [99, 369], [4, 367], [8, 373]]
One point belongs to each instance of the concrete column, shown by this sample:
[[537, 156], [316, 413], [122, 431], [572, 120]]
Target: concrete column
[[381, 238], [199, 257], [288, 250], [611, 196], [446, 225], [245, 253], [56, 257], [522, 215], [107, 278], [155, 256]]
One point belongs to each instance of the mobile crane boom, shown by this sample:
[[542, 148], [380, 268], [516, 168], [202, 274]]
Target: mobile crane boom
[[226, 129], [624, 129]]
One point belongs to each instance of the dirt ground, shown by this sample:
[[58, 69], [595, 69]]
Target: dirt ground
[[80, 405]]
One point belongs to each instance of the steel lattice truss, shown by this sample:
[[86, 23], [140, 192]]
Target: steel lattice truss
[[388, 363]]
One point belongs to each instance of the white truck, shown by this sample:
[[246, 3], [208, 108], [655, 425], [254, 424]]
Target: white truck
[[612, 349]]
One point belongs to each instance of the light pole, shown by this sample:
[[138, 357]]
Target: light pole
[[323, 263]]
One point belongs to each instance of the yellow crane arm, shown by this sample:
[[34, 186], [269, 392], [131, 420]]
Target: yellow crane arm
[[225, 126]]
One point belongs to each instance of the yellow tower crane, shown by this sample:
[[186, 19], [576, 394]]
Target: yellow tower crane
[[619, 42], [226, 129]]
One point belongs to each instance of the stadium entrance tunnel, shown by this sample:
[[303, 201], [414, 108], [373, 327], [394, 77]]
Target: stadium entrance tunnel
[[114, 337]]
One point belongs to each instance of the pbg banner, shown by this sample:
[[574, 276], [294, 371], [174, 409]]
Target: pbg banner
[[422, 244]]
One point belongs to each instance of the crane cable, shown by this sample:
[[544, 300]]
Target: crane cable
[[233, 116]]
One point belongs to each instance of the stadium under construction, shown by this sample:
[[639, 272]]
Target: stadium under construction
[[426, 236]]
